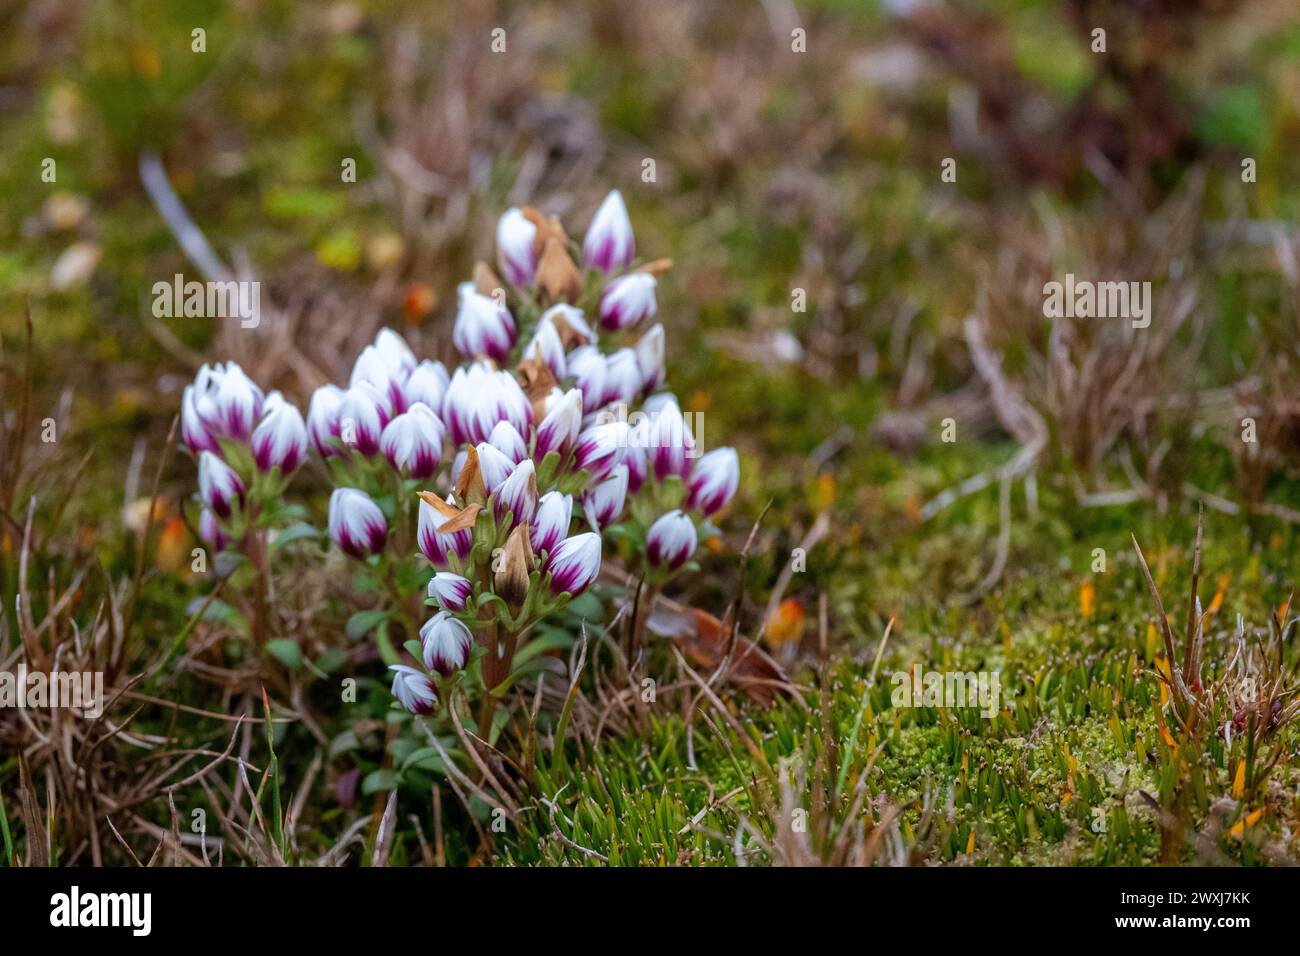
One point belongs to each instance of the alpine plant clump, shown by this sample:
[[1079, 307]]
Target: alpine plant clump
[[480, 502]]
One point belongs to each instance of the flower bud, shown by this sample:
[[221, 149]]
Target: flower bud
[[714, 480], [483, 326], [627, 300], [451, 591], [232, 403], [609, 243], [515, 256], [363, 414], [588, 368], [494, 466], [670, 442], [211, 532], [397, 355], [375, 369], [356, 524], [220, 489], [194, 431], [323, 420], [551, 523], [517, 495], [434, 544], [547, 347], [509, 442], [280, 438], [445, 643], [636, 456], [413, 690], [671, 541], [412, 442], [601, 448], [622, 377], [427, 383], [561, 426], [603, 502], [574, 564], [650, 358], [478, 397], [570, 324]]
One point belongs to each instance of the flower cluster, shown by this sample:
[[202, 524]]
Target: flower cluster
[[462, 491], [248, 446]]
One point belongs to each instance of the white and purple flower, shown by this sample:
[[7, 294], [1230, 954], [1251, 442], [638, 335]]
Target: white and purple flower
[[493, 465], [412, 442], [323, 420], [713, 481], [451, 591], [603, 502], [650, 358], [547, 348], [601, 448], [445, 643], [434, 544], [227, 401], [413, 690], [427, 383], [280, 438], [627, 300], [551, 523], [562, 424], [211, 531], [220, 488], [356, 524], [515, 255], [671, 541], [671, 444], [609, 243], [483, 326], [622, 377], [587, 366], [517, 495], [509, 442], [478, 397], [363, 415], [574, 564]]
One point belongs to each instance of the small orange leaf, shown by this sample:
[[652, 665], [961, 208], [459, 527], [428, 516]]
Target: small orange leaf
[[1087, 598], [970, 844], [1216, 602], [171, 549], [1239, 781], [824, 493], [1239, 828], [785, 626]]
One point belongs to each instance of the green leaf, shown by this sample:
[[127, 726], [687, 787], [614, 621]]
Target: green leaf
[[223, 613], [425, 758], [295, 532], [378, 780], [286, 651], [549, 640], [332, 659], [363, 622]]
